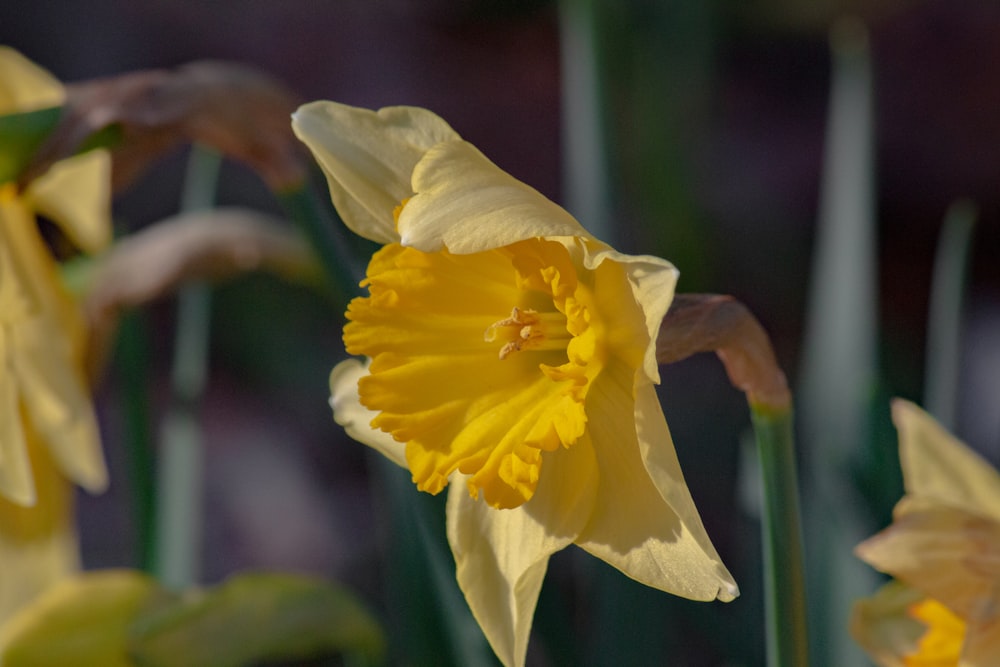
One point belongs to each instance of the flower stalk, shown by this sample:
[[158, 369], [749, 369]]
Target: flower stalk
[[179, 509], [705, 322]]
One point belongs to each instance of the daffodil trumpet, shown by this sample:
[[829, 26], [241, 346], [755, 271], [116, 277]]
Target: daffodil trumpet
[[511, 358]]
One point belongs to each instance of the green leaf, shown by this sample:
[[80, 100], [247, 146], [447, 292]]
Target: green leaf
[[20, 136], [81, 621], [253, 618]]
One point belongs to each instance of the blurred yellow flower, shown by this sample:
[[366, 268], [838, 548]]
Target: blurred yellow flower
[[48, 432], [512, 355], [944, 546]]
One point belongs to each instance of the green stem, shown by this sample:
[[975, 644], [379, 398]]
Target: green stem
[[180, 506], [784, 577], [944, 319], [326, 236], [133, 360]]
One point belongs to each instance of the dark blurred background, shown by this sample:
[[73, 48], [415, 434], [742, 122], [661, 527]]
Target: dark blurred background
[[715, 113]]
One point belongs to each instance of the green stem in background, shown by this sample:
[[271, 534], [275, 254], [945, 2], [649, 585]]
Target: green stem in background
[[784, 570], [180, 506], [133, 363], [839, 366], [326, 235], [586, 182], [944, 319]]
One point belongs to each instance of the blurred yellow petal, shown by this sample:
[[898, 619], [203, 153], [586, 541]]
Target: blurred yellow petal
[[982, 644], [57, 402], [944, 542], [81, 621], [24, 86], [16, 483], [356, 418], [368, 157], [38, 543], [644, 521], [467, 204], [44, 343], [900, 627], [949, 554], [501, 556], [937, 465], [883, 626], [943, 637], [76, 194]]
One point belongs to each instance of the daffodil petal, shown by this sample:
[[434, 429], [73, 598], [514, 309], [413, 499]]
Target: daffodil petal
[[15, 470], [948, 553], [501, 555], [937, 465], [38, 543], [38, 564], [467, 204], [56, 400], [356, 418], [24, 86], [76, 194], [645, 523], [982, 644], [368, 157], [881, 626], [652, 281]]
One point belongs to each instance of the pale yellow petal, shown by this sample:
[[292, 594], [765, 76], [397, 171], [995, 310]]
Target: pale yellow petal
[[501, 555], [982, 644], [24, 86], [37, 544], [58, 404], [16, 484], [882, 625], [937, 465], [652, 281], [368, 157], [76, 194], [645, 523], [356, 418], [467, 204], [948, 553]]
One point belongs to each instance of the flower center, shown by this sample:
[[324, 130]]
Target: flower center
[[489, 410], [527, 329]]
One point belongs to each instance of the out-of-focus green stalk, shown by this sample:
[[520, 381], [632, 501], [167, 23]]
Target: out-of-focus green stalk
[[944, 319], [326, 236], [585, 173], [133, 362], [180, 506], [784, 571], [839, 366]]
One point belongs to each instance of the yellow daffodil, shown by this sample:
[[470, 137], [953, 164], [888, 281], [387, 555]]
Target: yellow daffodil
[[48, 432], [512, 357], [943, 545]]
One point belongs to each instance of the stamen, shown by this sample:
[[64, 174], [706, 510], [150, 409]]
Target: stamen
[[528, 329]]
